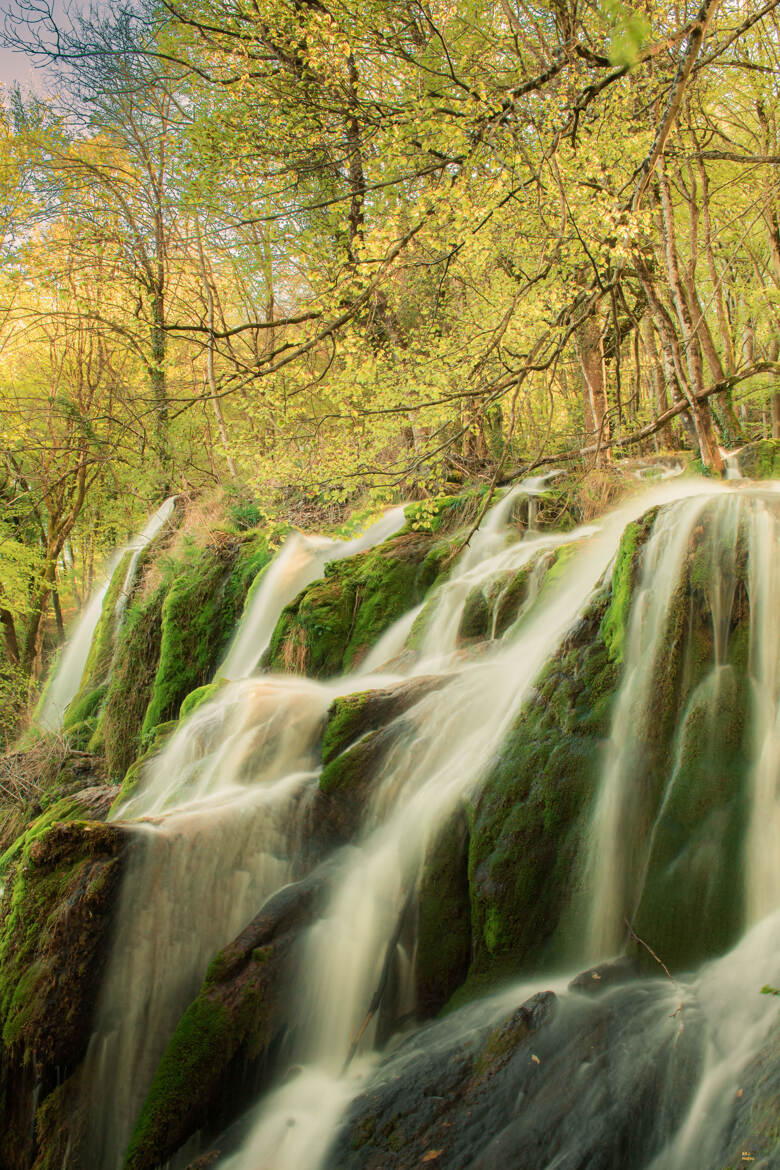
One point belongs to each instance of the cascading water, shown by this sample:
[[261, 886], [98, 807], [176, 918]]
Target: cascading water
[[70, 667], [698, 542], [485, 558], [301, 560], [216, 839], [763, 856], [454, 739], [220, 819], [225, 789], [611, 853]]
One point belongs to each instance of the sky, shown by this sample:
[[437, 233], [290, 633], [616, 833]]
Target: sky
[[21, 68]]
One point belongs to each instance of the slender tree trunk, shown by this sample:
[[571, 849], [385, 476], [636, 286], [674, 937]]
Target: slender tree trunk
[[589, 344], [55, 600], [9, 636], [674, 375], [357, 178], [208, 292], [728, 422], [702, 416], [37, 613], [159, 389], [656, 379]]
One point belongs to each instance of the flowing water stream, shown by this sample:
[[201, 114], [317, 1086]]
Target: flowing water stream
[[66, 679], [218, 815]]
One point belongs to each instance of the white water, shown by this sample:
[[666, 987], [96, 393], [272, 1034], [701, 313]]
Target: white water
[[301, 560], [224, 795], [217, 837], [458, 732], [70, 667], [763, 858], [609, 856], [616, 866], [738, 1022]]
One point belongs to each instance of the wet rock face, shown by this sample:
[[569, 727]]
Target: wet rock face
[[333, 623], [61, 886], [359, 733], [567, 1082], [225, 1042], [760, 460]]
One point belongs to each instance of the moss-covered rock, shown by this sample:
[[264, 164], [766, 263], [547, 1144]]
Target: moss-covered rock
[[687, 805], [61, 879], [351, 716], [173, 638], [219, 1051], [101, 651], [134, 774], [443, 938], [332, 624], [199, 614], [132, 680], [760, 460], [527, 823]]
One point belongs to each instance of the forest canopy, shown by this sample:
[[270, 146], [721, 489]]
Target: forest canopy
[[359, 247]]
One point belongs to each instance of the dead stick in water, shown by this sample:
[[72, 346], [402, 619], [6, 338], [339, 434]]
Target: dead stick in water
[[383, 980], [661, 963]]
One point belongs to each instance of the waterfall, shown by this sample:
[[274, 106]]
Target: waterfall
[[214, 838], [628, 814], [216, 818], [456, 734], [763, 854], [300, 561], [66, 680], [611, 852]]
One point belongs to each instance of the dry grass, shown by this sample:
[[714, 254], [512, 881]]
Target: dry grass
[[25, 774], [600, 489]]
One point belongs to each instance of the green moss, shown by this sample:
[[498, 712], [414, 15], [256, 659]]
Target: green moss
[[79, 735], [52, 904], [198, 616], [101, 651], [159, 737], [346, 721], [528, 822], [132, 680], [85, 708], [350, 769], [613, 627], [761, 460], [173, 638], [333, 623], [200, 696], [475, 619], [691, 906], [202, 1040]]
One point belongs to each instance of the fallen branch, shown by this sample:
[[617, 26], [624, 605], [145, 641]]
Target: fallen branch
[[384, 978], [650, 429]]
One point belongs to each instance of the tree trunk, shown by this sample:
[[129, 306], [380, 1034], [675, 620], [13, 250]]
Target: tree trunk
[[657, 379], [589, 344], [9, 636], [702, 416]]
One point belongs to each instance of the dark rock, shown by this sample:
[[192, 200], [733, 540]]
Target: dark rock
[[224, 1045], [62, 878], [577, 1083], [605, 975]]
